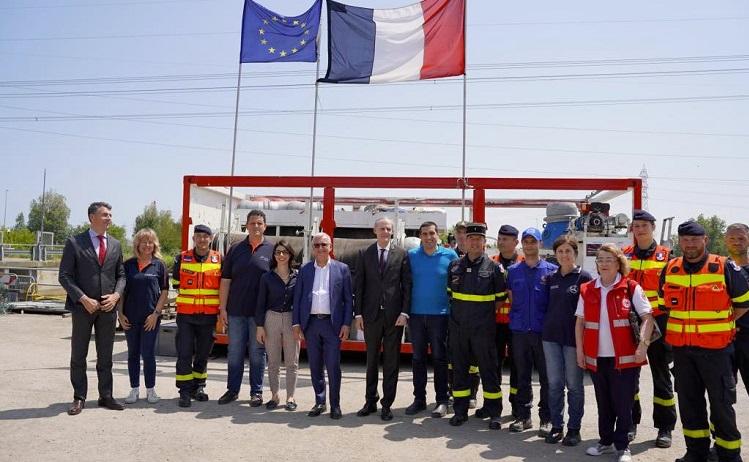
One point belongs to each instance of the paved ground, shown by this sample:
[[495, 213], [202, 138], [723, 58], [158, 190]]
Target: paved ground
[[34, 352]]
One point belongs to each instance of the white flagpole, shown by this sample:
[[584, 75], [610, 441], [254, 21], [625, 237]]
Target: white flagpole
[[465, 92], [233, 153], [312, 168]]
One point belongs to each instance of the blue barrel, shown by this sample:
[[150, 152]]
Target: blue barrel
[[552, 231]]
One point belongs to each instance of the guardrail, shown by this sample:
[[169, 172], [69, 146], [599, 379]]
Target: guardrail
[[39, 252]]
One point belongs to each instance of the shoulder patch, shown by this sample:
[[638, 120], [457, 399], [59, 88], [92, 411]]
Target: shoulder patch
[[734, 265], [660, 256], [675, 269], [713, 267], [214, 258]]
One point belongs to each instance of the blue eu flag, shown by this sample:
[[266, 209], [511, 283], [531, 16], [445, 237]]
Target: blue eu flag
[[268, 37]]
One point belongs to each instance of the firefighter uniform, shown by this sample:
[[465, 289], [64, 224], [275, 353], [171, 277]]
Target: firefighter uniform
[[197, 309], [645, 268], [474, 288], [503, 336], [700, 298]]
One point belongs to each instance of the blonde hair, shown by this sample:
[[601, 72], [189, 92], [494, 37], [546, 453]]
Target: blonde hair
[[147, 234], [614, 250]]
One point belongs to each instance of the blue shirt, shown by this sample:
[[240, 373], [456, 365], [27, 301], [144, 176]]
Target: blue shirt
[[429, 274], [559, 323], [529, 296], [244, 266], [274, 295], [143, 288]]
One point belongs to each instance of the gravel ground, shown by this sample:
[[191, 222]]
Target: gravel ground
[[34, 425]]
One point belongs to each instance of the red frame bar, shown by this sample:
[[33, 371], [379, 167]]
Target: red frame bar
[[479, 205]]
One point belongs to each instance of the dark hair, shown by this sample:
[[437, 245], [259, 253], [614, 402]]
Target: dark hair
[[95, 206], [256, 213], [427, 224], [738, 227], [565, 239], [292, 255]]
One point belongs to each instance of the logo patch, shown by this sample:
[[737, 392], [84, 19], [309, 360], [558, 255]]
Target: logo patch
[[734, 265], [626, 303], [214, 258], [659, 256], [572, 290]]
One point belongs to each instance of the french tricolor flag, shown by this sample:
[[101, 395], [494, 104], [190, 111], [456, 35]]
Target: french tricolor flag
[[416, 42]]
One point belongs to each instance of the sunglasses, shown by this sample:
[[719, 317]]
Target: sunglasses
[[281, 252], [319, 245]]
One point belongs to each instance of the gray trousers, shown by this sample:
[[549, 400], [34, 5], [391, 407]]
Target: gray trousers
[[280, 338], [103, 324]]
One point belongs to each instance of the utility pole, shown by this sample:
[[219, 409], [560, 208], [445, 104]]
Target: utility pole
[[5, 211], [44, 192]]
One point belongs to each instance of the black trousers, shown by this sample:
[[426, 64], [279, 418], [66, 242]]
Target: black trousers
[[379, 334], [698, 370], [504, 356], [527, 351], [194, 343], [468, 344], [615, 391], [103, 324], [660, 356], [741, 359]]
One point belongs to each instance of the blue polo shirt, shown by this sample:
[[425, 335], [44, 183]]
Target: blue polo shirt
[[429, 275], [244, 266], [529, 296], [563, 292], [143, 288]]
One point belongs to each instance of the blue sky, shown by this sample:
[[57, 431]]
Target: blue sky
[[555, 89]]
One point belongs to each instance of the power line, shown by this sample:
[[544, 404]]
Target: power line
[[89, 5]]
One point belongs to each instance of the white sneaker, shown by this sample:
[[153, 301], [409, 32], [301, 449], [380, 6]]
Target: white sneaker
[[151, 396], [133, 396], [599, 449], [624, 456]]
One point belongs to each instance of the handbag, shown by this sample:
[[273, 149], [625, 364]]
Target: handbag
[[636, 322]]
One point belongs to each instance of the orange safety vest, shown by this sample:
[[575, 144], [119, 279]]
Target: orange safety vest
[[618, 305], [503, 312], [700, 309], [199, 284], [647, 272]]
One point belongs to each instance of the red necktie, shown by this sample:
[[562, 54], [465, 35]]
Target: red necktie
[[102, 250]]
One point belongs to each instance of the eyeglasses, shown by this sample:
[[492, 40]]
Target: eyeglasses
[[319, 245], [606, 261], [281, 252]]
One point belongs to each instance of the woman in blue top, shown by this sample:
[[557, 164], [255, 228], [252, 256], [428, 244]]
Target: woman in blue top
[[145, 294], [273, 318]]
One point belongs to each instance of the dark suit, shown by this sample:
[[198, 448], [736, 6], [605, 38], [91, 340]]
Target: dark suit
[[81, 274], [321, 335], [380, 297]]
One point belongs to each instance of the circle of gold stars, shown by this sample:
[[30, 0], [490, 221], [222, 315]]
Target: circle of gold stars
[[283, 53]]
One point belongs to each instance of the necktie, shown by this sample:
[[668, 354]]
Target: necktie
[[102, 249], [382, 260]]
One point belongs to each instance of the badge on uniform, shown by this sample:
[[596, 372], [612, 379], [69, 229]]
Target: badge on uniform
[[484, 273], [468, 270], [659, 256], [572, 290], [214, 258], [187, 258], [626, 303]]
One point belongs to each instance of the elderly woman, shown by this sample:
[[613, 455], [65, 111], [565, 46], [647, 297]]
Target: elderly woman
[[607, 347], [273, 319], [558, 337], [146, 292]]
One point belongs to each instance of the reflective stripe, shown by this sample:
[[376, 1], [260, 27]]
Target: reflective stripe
[[661, 301], [198, 301], [473, 370], [650, 293], [473, 298], [184, 378], [200, 375], [513, 391], [741, 298], [655, 303], [712, 427], [621, 322], [694, 279], [664, 402], [591, 325], [705, 433], [723, 314], [449, 290], [449, 366], [461, 393], [725, 444], [627, 359], [590, 360], [701, 328], [200, 267], [647, 264], [488, 395], [198, 291], [637, 397], [501, 295]]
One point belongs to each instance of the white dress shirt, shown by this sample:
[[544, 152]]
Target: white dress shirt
[[95, 241], [321, 290]]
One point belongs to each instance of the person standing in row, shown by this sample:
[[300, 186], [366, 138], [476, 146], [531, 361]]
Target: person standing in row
[[382, 302], [273, 313], [197, 276], [559, 343], [323, 312], [245, 262], [145, 294], [526, 282], [93, 277], [737, 243], [607, 347]]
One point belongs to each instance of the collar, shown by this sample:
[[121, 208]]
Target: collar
[[318, 267], [92, 234], [253, 247], [645, 253], [386, 248], [616, 281]]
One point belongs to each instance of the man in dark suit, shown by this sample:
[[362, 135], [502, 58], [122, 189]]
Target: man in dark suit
[[92, 274], [382, 301], [323, 311]]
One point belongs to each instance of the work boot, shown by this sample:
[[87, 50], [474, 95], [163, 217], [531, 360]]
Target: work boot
[[664, 439], [554, 436], [520, 425], [458, 420], [572, 438], [481, 413], [416, 407], [199, 395], [184, 399], [632, 433], [495, 423], [600, 449]]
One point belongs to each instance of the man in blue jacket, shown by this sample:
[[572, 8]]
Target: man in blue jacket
[[529, 302], [323, 311]]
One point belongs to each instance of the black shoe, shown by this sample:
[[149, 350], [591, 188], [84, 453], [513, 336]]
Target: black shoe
[[495, 423], [572, 438], [77, 406], [481, 413], [256, 400], [554, 436], [184, 400], [632, 433], [663, 440], [458, 420], [317, 409], [416, 407], [290, 406], [712, 456], [386, 414], [228, 397], [335, 413], [199, 395], [110, 403], [368, 408], [271, 404], [520, 424]]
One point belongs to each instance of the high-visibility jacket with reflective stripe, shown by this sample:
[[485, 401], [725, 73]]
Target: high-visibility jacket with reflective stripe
[[503, 311], [474, 289], [199, 284], [699, 305], [618, 307], [647, 272]]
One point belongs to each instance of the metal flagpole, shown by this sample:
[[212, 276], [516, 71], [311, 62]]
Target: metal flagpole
[[312, 168], [465, 92], [233, 153]]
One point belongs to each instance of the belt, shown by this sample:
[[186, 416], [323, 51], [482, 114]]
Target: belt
[[280, 309], [320, 316]]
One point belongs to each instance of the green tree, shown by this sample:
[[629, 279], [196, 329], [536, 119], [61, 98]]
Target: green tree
[[19, 236], [715, 227], [167, 229], [20, 221], [56, 214]]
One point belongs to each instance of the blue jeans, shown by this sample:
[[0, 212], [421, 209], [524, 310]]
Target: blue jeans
[[241, 336], [141, 344], [561, 370], [429, 331]]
